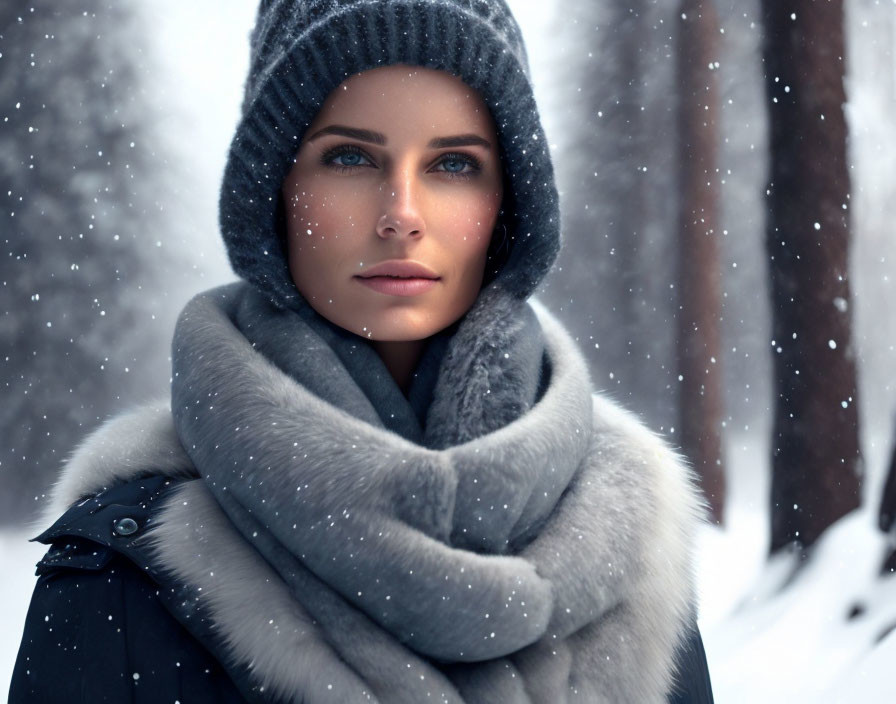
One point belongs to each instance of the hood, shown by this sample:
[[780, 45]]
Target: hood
[[295, 63]]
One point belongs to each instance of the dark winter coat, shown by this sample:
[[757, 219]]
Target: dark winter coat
[[100, 626]]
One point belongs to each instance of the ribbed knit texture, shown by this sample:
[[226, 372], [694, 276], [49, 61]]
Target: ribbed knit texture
[[301, 51]]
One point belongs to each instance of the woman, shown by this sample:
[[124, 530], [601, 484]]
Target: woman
[[382, 476]]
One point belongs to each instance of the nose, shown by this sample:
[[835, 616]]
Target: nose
[[402, 216]]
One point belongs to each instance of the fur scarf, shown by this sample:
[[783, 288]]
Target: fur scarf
[[542, 558]]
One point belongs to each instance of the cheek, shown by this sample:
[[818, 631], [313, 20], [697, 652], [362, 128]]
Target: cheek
[[311, 207], [320, 213], [315, 231], [471, 222]]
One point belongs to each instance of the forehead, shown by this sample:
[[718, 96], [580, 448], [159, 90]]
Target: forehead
[[402, 98]]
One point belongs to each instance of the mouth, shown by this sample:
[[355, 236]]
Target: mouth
[[399, 277], [399, 269]]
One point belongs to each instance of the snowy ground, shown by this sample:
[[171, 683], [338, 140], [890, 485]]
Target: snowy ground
[[773, 637]]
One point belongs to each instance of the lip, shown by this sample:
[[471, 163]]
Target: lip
[[393, 286], [399, 277], [402, 268]]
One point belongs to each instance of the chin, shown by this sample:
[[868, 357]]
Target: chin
[[401, 326], [400, 333]]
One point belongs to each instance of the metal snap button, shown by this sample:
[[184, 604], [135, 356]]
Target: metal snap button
[[125, 526]]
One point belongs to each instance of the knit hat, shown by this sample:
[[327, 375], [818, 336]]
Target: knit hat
[[302, 49]]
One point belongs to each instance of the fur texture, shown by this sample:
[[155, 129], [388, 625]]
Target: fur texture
[[141, 441], [385, 575]]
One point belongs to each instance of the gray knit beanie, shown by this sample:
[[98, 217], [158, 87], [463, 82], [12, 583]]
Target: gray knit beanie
[[302, 49]]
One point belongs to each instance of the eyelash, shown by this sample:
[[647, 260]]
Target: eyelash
[[328, 156]]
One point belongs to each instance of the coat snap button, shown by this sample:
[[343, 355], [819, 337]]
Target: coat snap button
[[125, 526]]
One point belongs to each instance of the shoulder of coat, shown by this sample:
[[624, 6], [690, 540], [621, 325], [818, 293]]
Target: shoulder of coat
[[88, 534], [138, 443]]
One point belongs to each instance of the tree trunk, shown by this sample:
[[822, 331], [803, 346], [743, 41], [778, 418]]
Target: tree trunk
[[886, 516], [699, 271], [816, 461], [632, 215]]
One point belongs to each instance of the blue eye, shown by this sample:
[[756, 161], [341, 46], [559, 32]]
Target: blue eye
[[455, 165], [348, 159], [345, 157]]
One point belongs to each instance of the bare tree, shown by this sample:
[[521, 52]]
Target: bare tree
[[816, 462], [699, 269]]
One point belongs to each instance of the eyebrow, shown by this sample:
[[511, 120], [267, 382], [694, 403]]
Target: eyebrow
[[460, 140]]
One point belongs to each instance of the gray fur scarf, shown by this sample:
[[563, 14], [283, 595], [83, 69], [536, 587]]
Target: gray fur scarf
[[547, 559]]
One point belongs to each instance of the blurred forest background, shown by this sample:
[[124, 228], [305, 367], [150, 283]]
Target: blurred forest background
[[661, 116]]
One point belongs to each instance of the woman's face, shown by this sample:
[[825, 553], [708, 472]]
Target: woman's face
[[391, 203]]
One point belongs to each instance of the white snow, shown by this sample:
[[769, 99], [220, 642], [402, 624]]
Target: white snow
[[773, 635], [788, 638]]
